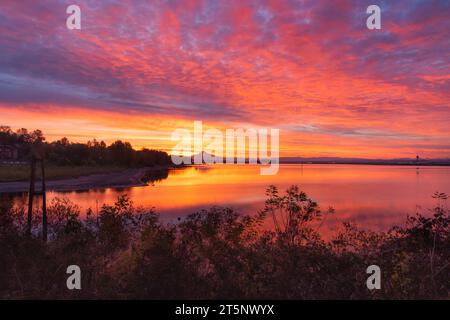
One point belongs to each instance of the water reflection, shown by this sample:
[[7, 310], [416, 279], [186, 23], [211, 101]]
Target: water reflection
[[376, 197], [153, 176]]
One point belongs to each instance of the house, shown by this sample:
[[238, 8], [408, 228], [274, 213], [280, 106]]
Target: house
[[8, 153]]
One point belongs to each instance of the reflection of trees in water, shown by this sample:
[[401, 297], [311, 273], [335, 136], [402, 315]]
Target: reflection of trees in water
[[9, 200], [152, 176]]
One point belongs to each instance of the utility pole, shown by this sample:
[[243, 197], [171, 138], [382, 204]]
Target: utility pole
[[37, 155], [31, 195], [44, 203]]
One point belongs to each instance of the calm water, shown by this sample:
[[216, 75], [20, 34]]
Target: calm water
[[375, 197]]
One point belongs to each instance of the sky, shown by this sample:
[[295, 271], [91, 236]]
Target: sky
[[138, 70]]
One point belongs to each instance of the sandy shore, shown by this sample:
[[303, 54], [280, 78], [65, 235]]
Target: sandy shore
[[126, 178]]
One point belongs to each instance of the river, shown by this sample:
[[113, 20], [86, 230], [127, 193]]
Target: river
[[373, 196]]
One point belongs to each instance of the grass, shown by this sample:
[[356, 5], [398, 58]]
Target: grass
[[10, 173]]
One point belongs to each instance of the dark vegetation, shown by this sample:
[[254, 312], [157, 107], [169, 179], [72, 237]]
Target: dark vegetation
[[93, 153], [126, 252]]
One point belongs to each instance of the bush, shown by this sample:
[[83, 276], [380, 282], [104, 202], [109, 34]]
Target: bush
[[127, 253]]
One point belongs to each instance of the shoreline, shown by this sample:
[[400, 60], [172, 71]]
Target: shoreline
[[376, 164], [125, 178], [135, 177]]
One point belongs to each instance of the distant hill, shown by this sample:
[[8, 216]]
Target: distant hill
[[337, 160]]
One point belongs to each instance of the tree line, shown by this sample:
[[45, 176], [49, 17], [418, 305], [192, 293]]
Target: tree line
[[65, 153]]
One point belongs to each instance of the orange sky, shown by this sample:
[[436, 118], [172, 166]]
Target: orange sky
[[311, 69]]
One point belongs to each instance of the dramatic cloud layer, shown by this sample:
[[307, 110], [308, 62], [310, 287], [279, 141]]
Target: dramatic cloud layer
[[139, 69]]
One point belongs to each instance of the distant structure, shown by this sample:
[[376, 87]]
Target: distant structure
[[8, 153], [417, 158]]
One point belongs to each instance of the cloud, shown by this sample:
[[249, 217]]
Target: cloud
[[312, 64]]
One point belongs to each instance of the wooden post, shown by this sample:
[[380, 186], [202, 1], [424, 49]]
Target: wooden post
[[44, 204], [31, 195], [38, 155]]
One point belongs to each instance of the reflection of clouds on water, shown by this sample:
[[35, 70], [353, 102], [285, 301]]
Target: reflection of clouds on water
[[374, 197]]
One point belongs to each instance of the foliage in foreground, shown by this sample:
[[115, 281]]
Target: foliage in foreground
[[127, 253]]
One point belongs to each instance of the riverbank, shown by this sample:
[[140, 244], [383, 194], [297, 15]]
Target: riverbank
[[21, 172], [115, 177]]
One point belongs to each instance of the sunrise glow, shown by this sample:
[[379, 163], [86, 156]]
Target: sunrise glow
[[312, 70]]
